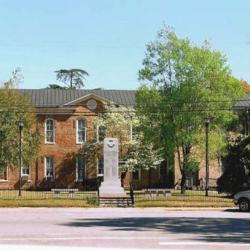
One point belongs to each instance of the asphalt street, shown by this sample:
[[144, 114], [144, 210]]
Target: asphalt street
[[123, 228]]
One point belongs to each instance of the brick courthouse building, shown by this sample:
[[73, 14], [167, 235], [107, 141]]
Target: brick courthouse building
[[65, 123]]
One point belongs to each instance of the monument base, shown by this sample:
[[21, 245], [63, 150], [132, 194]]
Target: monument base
[[112, 188]]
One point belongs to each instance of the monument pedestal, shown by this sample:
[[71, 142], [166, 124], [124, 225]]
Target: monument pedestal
[[112, 189]]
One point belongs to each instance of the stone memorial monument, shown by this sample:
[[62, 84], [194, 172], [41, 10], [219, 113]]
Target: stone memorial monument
[[111, 185]]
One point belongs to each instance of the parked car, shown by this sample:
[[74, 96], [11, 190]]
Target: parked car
[[243, 200]]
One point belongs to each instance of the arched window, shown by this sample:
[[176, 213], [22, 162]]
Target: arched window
[[101, 133], [80, 168], [49, 131], [80, 131], [49, 167], [100, 166]]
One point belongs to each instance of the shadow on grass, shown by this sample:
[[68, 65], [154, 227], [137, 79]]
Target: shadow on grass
[[207, 229]]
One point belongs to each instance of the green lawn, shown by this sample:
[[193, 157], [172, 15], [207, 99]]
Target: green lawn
[[191, 198], [10, 198], [45, 203], [184, 203], [40, 195]]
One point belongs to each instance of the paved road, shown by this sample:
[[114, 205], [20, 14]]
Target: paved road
[[129, 228]]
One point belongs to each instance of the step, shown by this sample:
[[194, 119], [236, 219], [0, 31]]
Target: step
[[115, 202]]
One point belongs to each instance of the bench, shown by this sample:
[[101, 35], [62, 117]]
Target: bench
[[69, 191], [157, 191]]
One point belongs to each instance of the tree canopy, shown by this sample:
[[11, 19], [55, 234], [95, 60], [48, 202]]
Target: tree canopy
[[182, 84], [236, 175], [15, 107], [245, 86], [72, 78]]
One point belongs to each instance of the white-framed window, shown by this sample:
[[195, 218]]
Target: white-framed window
[[136, 174], [80, 131], [101, 133], [80, 168], [100, 166], [49, 167], [4, 174], [25, 170], [49, 131]]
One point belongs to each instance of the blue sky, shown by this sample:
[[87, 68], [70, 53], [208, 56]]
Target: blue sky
[[107, 37]]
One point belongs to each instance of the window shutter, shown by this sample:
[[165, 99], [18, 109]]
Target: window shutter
[[74, 123]]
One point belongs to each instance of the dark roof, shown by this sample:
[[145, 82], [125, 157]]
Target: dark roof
[[244, 103], [59, 97]]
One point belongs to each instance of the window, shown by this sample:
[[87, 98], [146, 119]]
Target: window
[[80, 131], [80, 168], [100, 166], [25, 170], [49, 131], [131, 131], [3, 174], [101, 133], [136, 175], [49, 167]]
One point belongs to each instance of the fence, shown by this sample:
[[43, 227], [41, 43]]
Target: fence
[[90, 198], [190, 195], [48, 195]]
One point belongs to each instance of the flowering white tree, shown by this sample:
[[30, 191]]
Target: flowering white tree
[[122, 123]]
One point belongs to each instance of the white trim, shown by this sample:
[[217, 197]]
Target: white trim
[[85, 169], [45, 131], [45, 167], [85, 130], [85, 97]]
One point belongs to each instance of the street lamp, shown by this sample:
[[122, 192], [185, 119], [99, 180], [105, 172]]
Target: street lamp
[[207, 122], [247, 123], [20, 125]]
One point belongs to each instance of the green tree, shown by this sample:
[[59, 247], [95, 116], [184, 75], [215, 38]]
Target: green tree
[[15, 107], [236, 175], [72, 78], [182, 85]]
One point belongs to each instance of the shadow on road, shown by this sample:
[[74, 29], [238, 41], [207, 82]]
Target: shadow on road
[[208, 229]]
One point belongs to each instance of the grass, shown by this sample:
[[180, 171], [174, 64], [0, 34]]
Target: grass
[[40, 195], [191, 198], [45, 203], [10, 198], [188, 203]]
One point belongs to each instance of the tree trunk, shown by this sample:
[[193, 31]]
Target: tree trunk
[[186, 154], [123, 176], [149, 178], [71, 80], [183, 182]]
